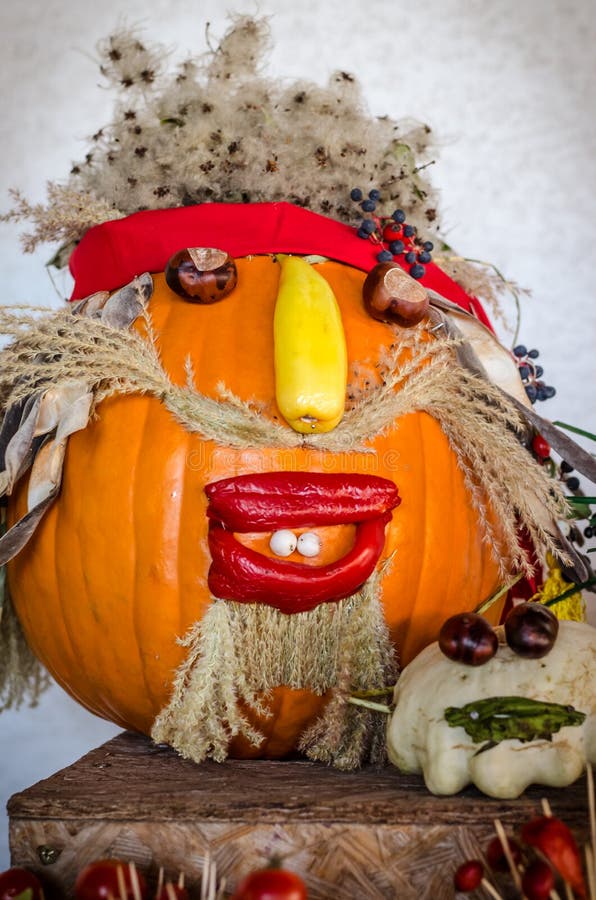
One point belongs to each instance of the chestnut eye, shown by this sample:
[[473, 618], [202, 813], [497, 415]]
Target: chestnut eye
[[309, 544], [531, 630], [201, 274], [391, 295], [469, 639], [283, 542]]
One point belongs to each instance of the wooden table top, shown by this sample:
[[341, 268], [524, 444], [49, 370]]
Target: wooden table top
[[129, 777]]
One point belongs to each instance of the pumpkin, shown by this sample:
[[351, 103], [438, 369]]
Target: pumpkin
[[116, 572], [117, 569]]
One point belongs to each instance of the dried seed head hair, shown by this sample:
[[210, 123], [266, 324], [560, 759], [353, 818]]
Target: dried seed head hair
[[216, 129]]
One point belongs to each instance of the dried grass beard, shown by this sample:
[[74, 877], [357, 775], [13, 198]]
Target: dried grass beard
[[239, 652]]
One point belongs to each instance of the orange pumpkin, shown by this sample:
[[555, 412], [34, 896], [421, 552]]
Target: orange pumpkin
[[117, 569]]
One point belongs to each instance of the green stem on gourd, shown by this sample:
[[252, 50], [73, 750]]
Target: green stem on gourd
[[486, 604], [369, 704]]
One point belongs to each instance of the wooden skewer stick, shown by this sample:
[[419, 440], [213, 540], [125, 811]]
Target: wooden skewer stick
[[547, 811], [181, 880], [590, 868], [508, 855], [204, 876], [490, 889], [212, 884], [592, 808], [135, 883], [170, 891], [159, 881], [121, 883]]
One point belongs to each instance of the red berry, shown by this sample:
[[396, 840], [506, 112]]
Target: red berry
[[555, 841], [102, 878], [271, 884], [16, 881], [540, 447], [495, 855], [469, 876], [392, 232], [538, 881]]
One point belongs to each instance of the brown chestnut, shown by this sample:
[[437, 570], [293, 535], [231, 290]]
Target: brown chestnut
[[391, 295], [531, 630], [468, 638], [201, 274]]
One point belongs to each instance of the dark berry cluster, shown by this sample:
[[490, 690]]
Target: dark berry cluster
[[580, 510], [392, 234], [531, 374]]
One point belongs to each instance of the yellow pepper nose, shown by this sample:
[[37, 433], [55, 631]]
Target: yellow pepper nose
[[311, 360]]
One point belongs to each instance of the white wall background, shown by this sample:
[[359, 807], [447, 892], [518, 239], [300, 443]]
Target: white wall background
[[509, 88]]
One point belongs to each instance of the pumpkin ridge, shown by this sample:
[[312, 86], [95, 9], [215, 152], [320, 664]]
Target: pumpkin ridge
[[138, 534], [419, 479], [157, 425], [48, 622], [457, 545], [62, 550], [110, 505]]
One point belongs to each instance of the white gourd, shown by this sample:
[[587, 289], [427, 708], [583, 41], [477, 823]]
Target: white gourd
[[420, 740]]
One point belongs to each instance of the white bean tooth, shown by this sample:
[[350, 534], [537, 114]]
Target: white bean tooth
[[283, 542], [309, 544]]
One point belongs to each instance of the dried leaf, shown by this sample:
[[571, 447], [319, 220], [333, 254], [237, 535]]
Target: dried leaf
[[17, 456], [46, 473], [17, 536], [56, 403], [91, 305], [128, 303], [480, 352]]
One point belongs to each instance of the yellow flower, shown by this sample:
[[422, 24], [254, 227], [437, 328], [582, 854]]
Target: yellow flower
[[573, 607]]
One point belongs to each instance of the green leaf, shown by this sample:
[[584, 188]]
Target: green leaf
[[27, 894], [500, 592], [497, 719], [571, 590]]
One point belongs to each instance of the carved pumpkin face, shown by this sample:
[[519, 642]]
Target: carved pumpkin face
[[117, 570]]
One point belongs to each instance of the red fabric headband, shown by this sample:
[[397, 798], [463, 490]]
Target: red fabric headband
[[111, 254]]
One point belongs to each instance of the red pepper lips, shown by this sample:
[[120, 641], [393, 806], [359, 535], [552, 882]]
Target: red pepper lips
[[273, 500]]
